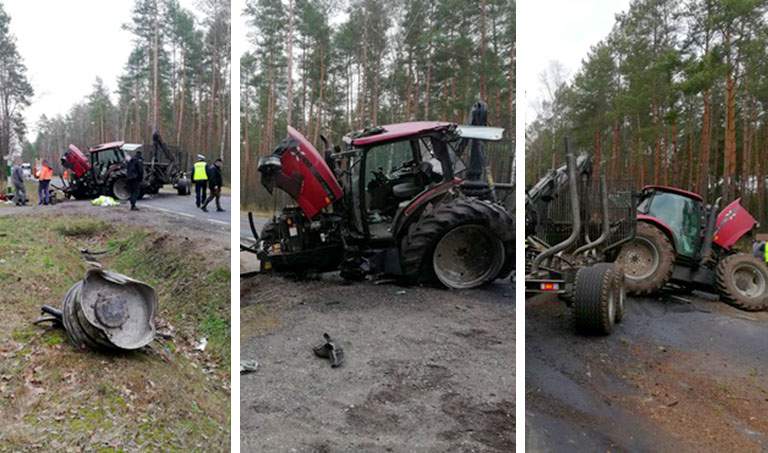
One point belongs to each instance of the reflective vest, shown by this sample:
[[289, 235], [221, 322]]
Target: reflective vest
[[200, 174], [765, 247], [45, 173]]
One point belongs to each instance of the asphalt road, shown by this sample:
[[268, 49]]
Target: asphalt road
[[680, 373], [184, 206]]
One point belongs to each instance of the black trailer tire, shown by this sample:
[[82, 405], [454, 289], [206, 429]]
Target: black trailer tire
[[594, 302], [119, 189], [742, 281], [621, 293], [433, 235], [648, 260]]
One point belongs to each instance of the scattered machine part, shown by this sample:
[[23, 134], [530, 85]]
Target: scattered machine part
[[107, 311], [329, 350], [248, 366]]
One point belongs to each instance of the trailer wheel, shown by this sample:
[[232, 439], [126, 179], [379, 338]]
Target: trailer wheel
[[463, 243], [647, 261], [120, 190], [742, 281], [595, 299], [621, 293]]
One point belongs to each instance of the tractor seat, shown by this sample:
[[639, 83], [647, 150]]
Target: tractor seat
[[406, 190]]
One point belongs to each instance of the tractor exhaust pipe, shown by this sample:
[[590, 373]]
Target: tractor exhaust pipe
[[706, 250], [606, 221], [575, 213]]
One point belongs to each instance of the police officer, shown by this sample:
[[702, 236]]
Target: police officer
[[200, 178], [134, 176]]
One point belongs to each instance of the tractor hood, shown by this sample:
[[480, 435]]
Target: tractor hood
[[733, 223], [75, 161], [300, 170]]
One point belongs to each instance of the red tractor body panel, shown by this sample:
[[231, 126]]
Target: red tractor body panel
[[75, 161], [733, 223], [319, 188], [398, 131]]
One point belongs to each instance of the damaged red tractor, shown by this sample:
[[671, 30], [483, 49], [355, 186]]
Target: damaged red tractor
[[103, 170], [682, 241], [393, 201]]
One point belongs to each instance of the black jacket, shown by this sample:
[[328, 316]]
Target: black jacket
[[214, 176], [135, 170]]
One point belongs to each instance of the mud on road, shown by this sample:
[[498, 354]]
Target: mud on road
[[425, 369], [681, 373]]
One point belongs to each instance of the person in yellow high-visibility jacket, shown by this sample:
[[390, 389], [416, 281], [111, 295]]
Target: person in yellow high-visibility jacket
[[200, 178]]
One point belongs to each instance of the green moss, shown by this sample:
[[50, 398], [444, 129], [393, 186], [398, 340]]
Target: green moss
[[54, 337]]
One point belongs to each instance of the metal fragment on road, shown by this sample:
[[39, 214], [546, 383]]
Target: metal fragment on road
[[248, 366], [329, 350]]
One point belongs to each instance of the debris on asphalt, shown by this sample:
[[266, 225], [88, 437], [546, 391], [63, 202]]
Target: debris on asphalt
[[329, 350], [106, 311], [248, 366]]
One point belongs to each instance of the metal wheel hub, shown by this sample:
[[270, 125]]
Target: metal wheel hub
[[641, 259], [749, 281], [468, 256]]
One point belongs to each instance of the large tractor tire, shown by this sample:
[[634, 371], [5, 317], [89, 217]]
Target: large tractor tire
[[119, 189], [462, 243], [596, 295], [647, 261], [742, 281]]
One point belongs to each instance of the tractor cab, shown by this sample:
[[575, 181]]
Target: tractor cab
[[105, 157], [389, 167], [679, 212]]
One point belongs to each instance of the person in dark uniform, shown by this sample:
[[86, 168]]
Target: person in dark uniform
[[215, 181], [134, 177]]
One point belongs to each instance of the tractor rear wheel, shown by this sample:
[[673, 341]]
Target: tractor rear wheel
[[462, 243], [648, 260], [597, 292], [120, 190], [742, 281]]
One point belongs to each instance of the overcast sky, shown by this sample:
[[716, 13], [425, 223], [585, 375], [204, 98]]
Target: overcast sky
[[563, 31], [66, 44]]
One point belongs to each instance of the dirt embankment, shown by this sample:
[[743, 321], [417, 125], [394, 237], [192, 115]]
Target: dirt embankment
[[166, 396], [425, 370]]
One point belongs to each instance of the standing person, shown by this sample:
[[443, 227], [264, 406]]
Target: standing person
[[200, 178], [215, 181], [17, 179], [134, 177], [44, 174]]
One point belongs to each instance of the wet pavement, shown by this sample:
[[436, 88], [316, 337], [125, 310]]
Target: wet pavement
[[682, 372]]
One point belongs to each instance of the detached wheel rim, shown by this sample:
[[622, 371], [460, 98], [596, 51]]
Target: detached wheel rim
[[641, 259], [120, 189], [468, 256], [749, 281]]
